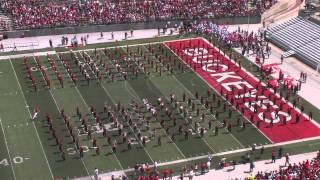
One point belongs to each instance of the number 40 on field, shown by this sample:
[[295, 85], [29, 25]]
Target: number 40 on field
[[15, 160]]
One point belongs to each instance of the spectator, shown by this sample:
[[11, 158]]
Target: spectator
[[30, 14]]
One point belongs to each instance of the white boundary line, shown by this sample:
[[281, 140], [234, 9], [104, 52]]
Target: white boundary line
[[5, 141], [131, 45], [204, 156], [34, 126]]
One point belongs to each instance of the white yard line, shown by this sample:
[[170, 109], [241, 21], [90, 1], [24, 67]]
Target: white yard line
[[85, 103], [129, 126], [8, 151], [55, 102], [113, 101], [181, 153], [203, 105], [34, 126], [212, 115]]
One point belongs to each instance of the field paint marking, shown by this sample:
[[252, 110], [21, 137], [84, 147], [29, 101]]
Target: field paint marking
[[157, 122], [205, 108], [270, 89], [218, 92], [107, 92], [129, 126], [34, 126], [211, 114], [55, 102], [204, 140], [5, 141], [131, 45], [85, 103]]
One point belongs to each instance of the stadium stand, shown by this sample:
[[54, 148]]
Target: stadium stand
[[30, 14], [299, 37], [308, 169], [5, 22]]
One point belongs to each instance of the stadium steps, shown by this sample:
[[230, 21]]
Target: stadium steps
[[299, 37], [288, 53]]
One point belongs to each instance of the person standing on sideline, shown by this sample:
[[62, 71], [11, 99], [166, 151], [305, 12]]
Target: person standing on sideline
[[50, 43], [112, 36], [262, 150], [131, 32], [251, 166], [287, 159], [191, 174], [101, 35], [96, 174], [280, 153], [273, 156]]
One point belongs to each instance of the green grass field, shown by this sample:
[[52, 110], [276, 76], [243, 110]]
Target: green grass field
[[28, 149]]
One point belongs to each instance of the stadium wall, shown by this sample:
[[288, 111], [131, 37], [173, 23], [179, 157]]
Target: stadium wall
[[121, 27]]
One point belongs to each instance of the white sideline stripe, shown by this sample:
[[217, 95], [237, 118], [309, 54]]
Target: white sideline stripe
[[131, 45], [86, 106], [202, 157], [270, 89], [34, 126], [55, 102], [8, 151], [27, 55]]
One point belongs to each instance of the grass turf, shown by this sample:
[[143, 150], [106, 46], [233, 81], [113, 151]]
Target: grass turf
[[33, 141]]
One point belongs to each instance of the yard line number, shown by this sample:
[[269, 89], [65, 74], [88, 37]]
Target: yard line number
[[15, 160]]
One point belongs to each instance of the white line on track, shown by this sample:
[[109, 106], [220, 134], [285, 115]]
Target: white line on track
[[5, 141], [34, 126]]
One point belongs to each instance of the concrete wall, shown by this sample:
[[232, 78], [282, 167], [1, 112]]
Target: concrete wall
[[120, 27]]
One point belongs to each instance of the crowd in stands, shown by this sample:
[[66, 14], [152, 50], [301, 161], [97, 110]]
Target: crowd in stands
[[308, 169], [28, 14]]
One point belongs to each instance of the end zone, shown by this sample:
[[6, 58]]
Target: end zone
[[272, 115]]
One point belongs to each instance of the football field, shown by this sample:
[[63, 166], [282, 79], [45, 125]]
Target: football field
[[157, 94]]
